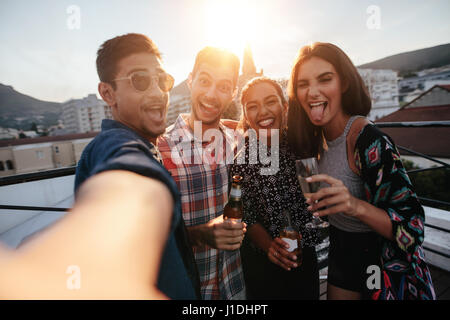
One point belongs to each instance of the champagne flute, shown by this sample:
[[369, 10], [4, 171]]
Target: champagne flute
[[306, 168]]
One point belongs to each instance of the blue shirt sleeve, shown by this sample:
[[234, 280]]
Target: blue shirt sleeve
[[119, 150]]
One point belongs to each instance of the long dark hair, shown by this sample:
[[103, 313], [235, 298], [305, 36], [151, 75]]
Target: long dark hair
[[306, 139]]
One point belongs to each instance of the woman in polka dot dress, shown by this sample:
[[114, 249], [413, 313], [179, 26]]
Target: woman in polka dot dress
[[268, 191]]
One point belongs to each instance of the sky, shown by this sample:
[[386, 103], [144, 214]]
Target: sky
[[48, 47]]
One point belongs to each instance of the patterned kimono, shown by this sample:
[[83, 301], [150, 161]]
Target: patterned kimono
[[405, 274]]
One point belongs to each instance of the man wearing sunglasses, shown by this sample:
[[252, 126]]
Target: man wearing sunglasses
[[135, 86]]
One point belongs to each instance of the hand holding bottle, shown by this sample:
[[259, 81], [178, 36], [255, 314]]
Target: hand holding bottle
[[278, 253], [225, 234], [286, 251]]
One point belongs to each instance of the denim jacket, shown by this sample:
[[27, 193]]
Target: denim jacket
[[117, 147]]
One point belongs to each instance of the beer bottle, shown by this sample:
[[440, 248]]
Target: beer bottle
[[291, 236], [233, 209]]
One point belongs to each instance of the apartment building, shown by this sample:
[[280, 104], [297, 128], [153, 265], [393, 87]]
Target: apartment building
[[85, 115], [38, 154], [179, 103], [383, 89]]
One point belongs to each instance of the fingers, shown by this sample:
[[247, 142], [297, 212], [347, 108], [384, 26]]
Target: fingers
[[229, 247], [333, 210], [281, 257], [329, 201], [333, 201], [232, 224], [232, 233], [228, 242], [325, 192], [223, 234], [281, 244], [324, 178], [229, 235], [274, 258]]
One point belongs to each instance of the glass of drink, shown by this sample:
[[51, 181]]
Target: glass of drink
[[306, 168]]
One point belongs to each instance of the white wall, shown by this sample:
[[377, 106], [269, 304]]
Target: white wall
[[15, 225]]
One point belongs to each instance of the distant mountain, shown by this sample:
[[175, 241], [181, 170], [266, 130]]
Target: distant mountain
[[20, 111], [181, 89], [412, 61]]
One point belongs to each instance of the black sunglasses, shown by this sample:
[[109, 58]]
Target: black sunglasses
[[141, 80]]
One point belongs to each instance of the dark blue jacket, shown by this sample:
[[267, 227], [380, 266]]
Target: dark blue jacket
[[118, 147]]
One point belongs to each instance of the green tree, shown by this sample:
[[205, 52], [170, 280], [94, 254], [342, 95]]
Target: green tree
[[431, 184], [34, 127]]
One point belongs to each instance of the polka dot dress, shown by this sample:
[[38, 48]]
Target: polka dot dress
[[266, 196]]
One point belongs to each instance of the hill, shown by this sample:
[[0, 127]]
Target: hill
[[20, 111], [409, 62], [181, 89]]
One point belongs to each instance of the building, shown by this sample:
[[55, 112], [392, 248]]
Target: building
[[40, 154], [418, 82], [432, 105], [412, 87], [85, 115], [8, 133], [383, 90], [179, 103], [248, 72]]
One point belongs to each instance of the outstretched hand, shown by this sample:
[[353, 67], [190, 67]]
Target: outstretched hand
[[331, 200]]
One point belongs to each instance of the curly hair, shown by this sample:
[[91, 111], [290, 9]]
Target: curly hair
[[243, 124]]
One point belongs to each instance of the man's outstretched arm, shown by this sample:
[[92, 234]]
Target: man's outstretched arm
[[112, 239]]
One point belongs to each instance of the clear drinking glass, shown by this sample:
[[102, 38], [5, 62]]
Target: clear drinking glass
[[306, 168]]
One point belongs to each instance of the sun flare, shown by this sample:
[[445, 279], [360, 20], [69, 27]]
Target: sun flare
[[231, 24]]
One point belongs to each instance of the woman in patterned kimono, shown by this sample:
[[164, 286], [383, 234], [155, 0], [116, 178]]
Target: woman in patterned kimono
[[270, 269], [376, 220]]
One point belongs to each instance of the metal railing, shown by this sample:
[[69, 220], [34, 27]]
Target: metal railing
[[443, 165], [61, 172], [35, 176], [421, 124]]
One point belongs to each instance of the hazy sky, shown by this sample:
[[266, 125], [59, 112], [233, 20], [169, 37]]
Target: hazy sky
[[48, 53]]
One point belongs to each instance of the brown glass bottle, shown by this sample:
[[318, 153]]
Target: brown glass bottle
[[290, 235], [233, 209]]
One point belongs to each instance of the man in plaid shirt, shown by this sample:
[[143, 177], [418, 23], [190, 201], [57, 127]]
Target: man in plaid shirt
[[196, 151]]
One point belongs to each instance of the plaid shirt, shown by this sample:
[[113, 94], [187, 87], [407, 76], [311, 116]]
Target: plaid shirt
[[200, 171]]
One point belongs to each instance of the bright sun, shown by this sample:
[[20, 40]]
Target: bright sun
[[231, 24]]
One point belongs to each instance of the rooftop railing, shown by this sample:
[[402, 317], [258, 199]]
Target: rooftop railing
[[322, 249], [61, 172]]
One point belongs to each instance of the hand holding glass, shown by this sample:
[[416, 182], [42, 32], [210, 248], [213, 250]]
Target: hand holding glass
[[306, 168]]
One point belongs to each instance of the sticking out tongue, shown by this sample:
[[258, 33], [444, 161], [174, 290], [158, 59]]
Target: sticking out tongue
[[317, 113]]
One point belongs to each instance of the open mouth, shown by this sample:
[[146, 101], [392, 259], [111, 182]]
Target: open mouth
[[208, 108], [317, 110], [156, 112], [266, 123]]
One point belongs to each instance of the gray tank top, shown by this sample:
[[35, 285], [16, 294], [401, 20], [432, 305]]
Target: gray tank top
[[334, 162]]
